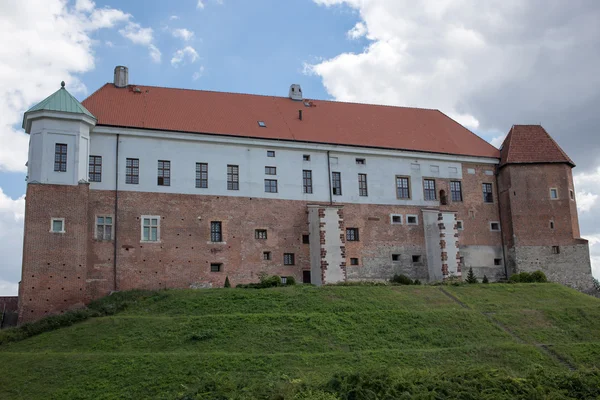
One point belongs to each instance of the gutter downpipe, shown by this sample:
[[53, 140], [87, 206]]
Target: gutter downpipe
[[329, 180], [501, 227], [116, 217]]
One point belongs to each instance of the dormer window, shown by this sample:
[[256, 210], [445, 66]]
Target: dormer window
[[262, 124]]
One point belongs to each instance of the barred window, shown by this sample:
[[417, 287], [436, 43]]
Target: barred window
[[164, 173], [270, 170], [202, 175], [271, 185], [104, 225], [307, 181], [487, 193], [132, 171], [216, 234], [260, 234], [352, 234], [215, 267], [429, 189], [150, 228], [402, 187], [456, 190], [362, 185], [60, 157], [288, 259], [336, 178], [233, 177], [95, 169]]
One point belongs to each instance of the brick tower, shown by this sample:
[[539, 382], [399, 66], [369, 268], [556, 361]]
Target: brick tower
[[539, 210]]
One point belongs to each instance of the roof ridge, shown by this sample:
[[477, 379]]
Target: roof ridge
[[467, 129]]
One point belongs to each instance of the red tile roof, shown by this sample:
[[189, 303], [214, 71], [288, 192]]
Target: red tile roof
[[332, 122], [527, 144]]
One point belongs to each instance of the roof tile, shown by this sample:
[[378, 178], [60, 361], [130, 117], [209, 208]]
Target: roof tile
[[526, 144]]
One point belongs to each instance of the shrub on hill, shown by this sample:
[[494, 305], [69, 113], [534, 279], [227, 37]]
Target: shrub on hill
[[401, 279], [227, 283], [526, 277], [471, 277], [485, 279], [268, 281]]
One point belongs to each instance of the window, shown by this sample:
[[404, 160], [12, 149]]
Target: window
[[95, 169], [283, 279], [497, 261], [270, 153], [305, 239], [260, 234], [352, 234], [395, 257], [354, 261], [487, 193], [495, 226], [412, 220], [216, 233], [60, 157], [262, 124], [429, 189], [104, 226], [306, 157], [337, 183], [216, 267], [416, 259], [202, 175], [164, 173], [553, 194], [362, 185], [396, 218], [288, 259], [551, 224], [307, 181], [271, 185], [266, 255], [150, 228], [233, 177], [132, 171], [361, 161], [456, 190], [402, 187], [555, 250], [57, 225], [571, 194], [270, 170], [459, 225]]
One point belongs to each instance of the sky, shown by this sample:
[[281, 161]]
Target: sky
[[488, 65]]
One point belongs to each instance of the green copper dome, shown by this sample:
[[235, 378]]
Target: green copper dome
[[61, 101]]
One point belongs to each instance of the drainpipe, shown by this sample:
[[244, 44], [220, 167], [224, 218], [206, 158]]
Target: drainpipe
[[501, 227], [115, 216], [329, 180]]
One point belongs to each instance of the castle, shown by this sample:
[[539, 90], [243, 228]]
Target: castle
[[152, 187]]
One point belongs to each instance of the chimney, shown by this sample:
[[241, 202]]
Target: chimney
[[121, 76], [295, 92]]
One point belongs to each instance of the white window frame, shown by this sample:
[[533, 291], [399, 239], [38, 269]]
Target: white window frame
[[499, 226], [396, 215], [556, 190], [52, 220], [462, 225], [416, 219], [157, 217], [112, 227]]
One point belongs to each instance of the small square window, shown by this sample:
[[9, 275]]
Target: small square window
[[283, 279], [270, 185], [260, 234], [354, 261], [289, 259], [270, 153], [361, 161], [306, 157], [459, 225], [554, 194], [416, 259], [266, 255], [495, 226], [270, 170], [497, 261], [150, 228], [216, 267], [262, 124], [395, 257], [555, 250], [396, 219], [305, 239], [352, 234], [412, 220], [57, 225]]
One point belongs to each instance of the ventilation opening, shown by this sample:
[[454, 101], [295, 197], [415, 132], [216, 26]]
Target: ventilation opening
[[354, 261], [395, 257], [497, 261], [216, 267], [416, 259]]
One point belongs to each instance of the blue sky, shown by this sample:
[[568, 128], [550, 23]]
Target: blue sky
[[487, 64]]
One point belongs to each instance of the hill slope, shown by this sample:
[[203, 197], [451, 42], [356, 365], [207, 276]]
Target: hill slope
[[181, 343]]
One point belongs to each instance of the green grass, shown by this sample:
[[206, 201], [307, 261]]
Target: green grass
[[295, 342]]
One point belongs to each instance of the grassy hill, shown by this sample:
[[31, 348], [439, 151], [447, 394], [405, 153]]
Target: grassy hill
[[470, 341]]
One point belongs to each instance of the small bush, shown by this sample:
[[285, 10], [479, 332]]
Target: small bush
[[471, 277], [290, 281], [401, 279], [271, 281], [538, 276], [358, 283], [201, 336], [485, 279], [227, 284], [417, 282]]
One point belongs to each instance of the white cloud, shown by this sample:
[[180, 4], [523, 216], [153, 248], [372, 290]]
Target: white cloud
[[198, 74], [586, 201], [142, 36], [181, 55], [498, 140], [155, 53], [84, 5], [106, 18], [357, 31], [183, 33], [11, 242], [108, 43], [173, 17], [200, 4]]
